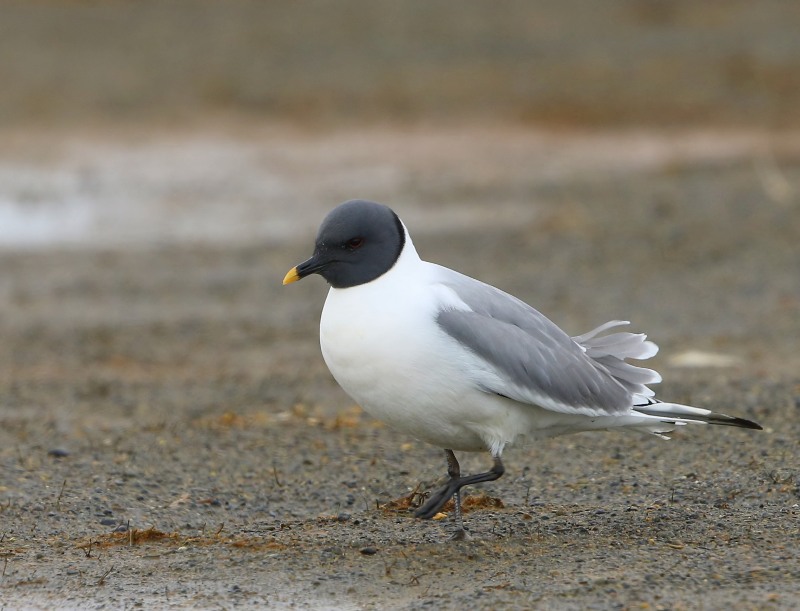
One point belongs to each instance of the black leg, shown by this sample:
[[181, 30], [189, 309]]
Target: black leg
[[454, 471], [453, 468], [456, 483]]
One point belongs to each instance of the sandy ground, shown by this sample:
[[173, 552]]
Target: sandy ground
[[170, 437]]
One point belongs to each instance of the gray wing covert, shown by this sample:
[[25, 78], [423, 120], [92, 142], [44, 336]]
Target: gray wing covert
[[532, 359]]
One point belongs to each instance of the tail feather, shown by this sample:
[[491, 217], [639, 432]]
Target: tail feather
[[623, 345], [650, 415], [610, 351], [686, 413]]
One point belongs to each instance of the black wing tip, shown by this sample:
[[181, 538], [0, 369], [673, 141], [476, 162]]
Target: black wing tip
[[743, 423]]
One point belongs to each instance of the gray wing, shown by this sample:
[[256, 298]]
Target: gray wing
[[529, 359]]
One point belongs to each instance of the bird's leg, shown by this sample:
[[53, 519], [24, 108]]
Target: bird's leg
[[454, 471], [454, 485], [460, 533], [453, 468]]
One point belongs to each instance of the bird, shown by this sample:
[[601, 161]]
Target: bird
[[465, 366]]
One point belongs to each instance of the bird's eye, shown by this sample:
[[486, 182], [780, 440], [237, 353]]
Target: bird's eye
[[354, 243]]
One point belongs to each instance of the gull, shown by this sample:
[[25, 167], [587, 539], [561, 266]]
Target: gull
[[463, 365]]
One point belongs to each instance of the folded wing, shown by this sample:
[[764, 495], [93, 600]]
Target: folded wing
[[524, 356]]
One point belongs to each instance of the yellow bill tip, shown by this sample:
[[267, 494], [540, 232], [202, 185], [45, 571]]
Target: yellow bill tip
[[291, 276]]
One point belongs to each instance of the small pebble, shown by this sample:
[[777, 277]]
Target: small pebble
[[58, 453], [368, 551]]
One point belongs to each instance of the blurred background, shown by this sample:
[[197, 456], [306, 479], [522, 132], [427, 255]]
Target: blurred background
[[627, 62], [601, 160], [131, 123]]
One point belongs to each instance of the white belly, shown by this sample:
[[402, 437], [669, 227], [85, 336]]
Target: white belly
[[392, 360]]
